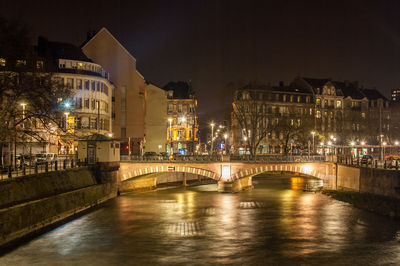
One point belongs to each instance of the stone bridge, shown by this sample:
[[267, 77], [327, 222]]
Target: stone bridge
[[231, 174]]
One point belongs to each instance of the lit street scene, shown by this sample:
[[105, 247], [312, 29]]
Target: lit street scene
[[199, 132]]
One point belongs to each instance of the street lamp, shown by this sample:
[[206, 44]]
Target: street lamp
[[225, 137], [212, 136], [313, 143], [170, 134], [23, 114], [66, 120], [383, 151]]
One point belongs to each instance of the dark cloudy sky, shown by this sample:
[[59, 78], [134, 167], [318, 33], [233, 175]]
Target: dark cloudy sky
[[215, 42]]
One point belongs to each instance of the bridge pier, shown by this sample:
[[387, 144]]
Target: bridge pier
[[235, 185], [184, 182]]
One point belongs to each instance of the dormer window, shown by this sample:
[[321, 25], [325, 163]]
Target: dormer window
[[170, 94], [39, 64], [2, 62], [21, 62]]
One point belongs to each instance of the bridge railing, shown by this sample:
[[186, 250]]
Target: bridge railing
[[390, 164], [219, 158]]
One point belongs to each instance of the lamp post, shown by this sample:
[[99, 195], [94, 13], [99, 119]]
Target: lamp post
[[66, 120], [225, 137], [212, 136], [23, 114], [383, 150], [313, 143], [183, 119], [170, 135]]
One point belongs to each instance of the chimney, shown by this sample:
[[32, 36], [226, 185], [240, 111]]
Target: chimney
[[346, 83], [281, 83], [355, 83]]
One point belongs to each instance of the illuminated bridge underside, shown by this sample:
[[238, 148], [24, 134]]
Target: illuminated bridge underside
[[323, 170]]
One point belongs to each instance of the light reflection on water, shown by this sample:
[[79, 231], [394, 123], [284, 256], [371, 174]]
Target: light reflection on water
[[275, 223]]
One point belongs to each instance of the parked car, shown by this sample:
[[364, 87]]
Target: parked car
[[42, 158], [24, 160], [150, 155], [367, 159], [163, 156]]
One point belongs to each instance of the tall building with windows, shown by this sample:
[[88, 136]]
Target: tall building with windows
[[336, 112], [395, 95], [128, 99], [182, 131], [89, 110]]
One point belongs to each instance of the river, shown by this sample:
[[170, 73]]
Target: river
[[274, 223]]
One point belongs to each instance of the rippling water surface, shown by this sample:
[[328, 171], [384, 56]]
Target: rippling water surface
[[275, 223]]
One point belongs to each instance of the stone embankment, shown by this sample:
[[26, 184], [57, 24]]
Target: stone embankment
[[31, 203], [376, 190]]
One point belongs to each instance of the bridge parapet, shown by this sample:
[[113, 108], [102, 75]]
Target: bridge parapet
[[227, 171]]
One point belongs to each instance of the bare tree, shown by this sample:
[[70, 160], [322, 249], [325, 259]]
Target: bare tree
[[249, 116], [30, 97], [293, 130]]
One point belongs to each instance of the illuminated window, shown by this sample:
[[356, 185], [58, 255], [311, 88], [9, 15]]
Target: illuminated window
[[70, 83], [79, 84], [2, 62], [338, 104], [39, 64], [21, 62]]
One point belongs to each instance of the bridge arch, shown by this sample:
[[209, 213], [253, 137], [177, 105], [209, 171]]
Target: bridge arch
[[129, 171], [311, 169]]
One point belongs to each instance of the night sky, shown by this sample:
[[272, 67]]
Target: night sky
[[213, 43]]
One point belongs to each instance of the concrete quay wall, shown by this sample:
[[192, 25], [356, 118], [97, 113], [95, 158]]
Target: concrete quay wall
[[50, 198], [383, 182], [36, 186]]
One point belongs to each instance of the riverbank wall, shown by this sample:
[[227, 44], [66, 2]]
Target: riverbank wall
[[385, 182], [31, 203]]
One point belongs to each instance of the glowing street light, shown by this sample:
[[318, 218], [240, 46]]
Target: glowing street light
[[396, 143], [362, 142], [352, 143]]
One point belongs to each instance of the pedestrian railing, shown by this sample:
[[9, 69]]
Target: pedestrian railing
[[39, 167], [219, 158], [374, 163]]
